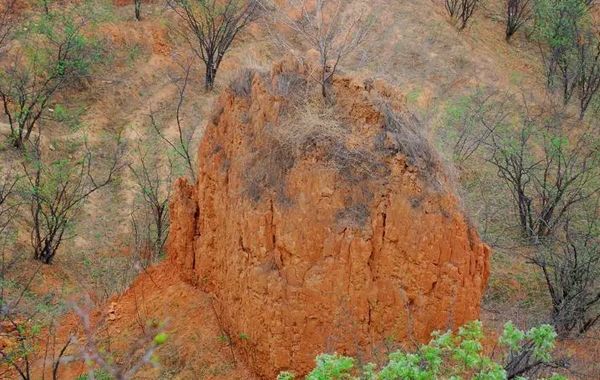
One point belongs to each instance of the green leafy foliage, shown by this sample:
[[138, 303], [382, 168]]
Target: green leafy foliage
[[98, 375], [446, 356], [70, 117], [570, 46], [332, 366], [512, 336], [41, 36], [55, 50], [160, 338], [286, 376], [244, 336], [557, 21]]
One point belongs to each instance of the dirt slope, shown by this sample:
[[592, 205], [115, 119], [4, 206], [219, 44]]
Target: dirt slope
[[196, 346]]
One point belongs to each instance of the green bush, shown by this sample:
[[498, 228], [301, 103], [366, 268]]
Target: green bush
[[446, 356], [98, 375], [557, 21]]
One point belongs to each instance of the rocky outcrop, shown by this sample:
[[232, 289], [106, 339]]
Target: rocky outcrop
[[323, 227]]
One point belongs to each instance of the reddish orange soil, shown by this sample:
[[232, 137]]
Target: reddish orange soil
[[196, 347]]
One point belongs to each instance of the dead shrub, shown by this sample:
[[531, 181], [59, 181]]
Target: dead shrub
[[311, 129], [400, 135], [461, 10], [289, 84], [353, 215], [241, 85], [267, 168], [315, 130]]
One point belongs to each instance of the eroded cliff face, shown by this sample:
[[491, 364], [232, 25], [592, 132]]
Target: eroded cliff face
[[323, 227]]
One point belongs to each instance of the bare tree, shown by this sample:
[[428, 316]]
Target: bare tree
[[14, 359], [547, 174], [28, 84], [588, 58], [518, 12], [326, 26], [475, 118], [9, 208], [577, 67], [211, 26], [182, 145], [55, 193], [571, 268], [154, 178], [461, 10]]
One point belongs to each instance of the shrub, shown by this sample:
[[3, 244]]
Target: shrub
[[448, 356], [461, 10], [153, 177], [97, 375]]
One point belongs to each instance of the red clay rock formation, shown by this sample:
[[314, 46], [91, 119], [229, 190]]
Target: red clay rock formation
[[323, 227]]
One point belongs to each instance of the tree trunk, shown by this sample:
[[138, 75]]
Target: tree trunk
[[524, 215], [324, 78], [17, 142], [16, 137], [138, 9], [159, 233], [209, 78], [45, 256]]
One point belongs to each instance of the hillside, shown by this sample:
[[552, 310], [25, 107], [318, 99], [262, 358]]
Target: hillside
[[258, 224]]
